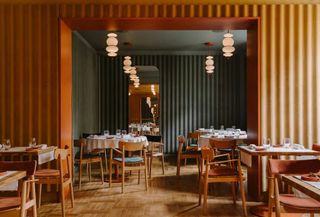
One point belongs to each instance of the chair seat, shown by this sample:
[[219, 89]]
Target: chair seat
[[7, 203], [222, 171], [155, 154], [293, 201], [192, 152], [97, 151], [193, 145], [129, 159], [87, 155], [47, 173]]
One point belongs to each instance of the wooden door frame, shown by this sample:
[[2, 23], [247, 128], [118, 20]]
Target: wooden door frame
[[251, 24]]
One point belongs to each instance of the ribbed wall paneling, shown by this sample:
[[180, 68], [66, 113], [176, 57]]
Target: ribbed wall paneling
[[85, 88], [290, 63], [29, 73], [189, 98], [114, 94]]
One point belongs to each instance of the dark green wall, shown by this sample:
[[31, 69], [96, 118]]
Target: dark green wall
[[189, 98], [85, 88]]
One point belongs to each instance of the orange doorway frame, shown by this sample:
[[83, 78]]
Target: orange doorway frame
[[251, 24]]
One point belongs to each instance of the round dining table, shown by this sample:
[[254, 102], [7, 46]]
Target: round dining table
[[111, 141]]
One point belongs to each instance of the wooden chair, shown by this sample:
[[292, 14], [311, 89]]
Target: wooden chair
[[129, 163], [61, 176], [155, 150], [223, 144], [27, 199], [87, 159], [316, 147], [290, 201], [192, 142], [213, 172], [188, 153]]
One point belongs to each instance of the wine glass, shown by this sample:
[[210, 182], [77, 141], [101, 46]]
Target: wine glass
[[106, 132], [221, 127], [8, 144], [211, 129], [124, 132], [286, 142], [266, 142], [118, 132]]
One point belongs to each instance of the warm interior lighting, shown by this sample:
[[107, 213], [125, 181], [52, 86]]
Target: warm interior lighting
[[209, 59], [228, 43], [112, 43]]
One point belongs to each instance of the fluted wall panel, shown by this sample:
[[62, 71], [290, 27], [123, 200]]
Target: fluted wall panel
[[189, 97], [290, 58]]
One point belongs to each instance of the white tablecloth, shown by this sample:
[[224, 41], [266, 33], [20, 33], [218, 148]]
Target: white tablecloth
[[204, 139], [103, 142]]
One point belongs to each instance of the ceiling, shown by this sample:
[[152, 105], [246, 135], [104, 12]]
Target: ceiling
[[165, 41]]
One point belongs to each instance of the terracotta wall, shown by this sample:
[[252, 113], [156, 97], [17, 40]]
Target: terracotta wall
[[290, 64]]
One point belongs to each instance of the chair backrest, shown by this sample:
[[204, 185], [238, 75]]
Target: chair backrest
[[63, 157], [223, 143], [293, 167], [193, 135], [154, 138], [316, 147], [181, 141], [207, 154], [131, 146], [28, 166]]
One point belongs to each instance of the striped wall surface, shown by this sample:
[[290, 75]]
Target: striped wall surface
[[189, 98], [85, 88], [290, 63]]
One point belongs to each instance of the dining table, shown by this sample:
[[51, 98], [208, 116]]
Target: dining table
[[111, 141], [205, 137], [9, 177], [311, 189], [251, 156], [41, 153]]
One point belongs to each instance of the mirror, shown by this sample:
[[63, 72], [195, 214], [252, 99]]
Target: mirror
[[144, 101]]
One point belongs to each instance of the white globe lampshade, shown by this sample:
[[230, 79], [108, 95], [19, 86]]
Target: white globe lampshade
[[228, 35], [112, 49], [209, 57], [127, 62], [228, 42], [112, 41], [210, 71], [127, 58], [228, 49], [209, 62], [228, 54], [112, 54], [111, 34], [127, 68], [127, 72], [133, 71], [209, 68]]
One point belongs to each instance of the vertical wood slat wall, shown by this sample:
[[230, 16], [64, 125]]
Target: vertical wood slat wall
[[290, 64], [189, 97]]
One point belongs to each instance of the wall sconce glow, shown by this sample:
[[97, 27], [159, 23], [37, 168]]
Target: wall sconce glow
[[112, 43]]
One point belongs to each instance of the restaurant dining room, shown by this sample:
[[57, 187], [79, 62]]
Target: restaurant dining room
[[160, 108]]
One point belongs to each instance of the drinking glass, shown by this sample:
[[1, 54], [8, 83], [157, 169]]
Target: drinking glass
[[118, 132], [233, 127], [221, 127], [124, 132], [8, 144], [211, 129], [106, 132], [286, 142], [33, 141], [266, 142]]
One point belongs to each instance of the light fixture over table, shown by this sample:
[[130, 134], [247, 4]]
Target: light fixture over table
[[112, 43], [209, 59]]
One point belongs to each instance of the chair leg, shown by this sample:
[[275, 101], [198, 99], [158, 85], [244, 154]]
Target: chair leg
[[110, 174], [106, 160], [33, 195], [150, 167], [89, 172], [185, 161], [101, 172], [138, 177], [233, 188], [122, 171], [162, 164], [39, 194], [71, 194], [178, 166], [200, 191], [62, 200], [80, 175], [146, 176], [243, 198], [205, 196]]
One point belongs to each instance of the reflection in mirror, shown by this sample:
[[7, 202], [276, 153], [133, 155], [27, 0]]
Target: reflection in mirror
[[144, 102]]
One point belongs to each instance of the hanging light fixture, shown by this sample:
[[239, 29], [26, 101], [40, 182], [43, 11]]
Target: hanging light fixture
[[228, 43], [209, 59], [112, 43], [127, 64]]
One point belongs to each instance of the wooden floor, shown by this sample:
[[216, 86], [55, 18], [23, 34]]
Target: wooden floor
[[168, 195]]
